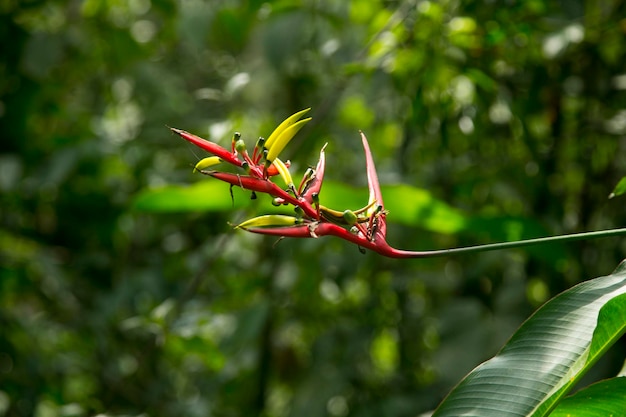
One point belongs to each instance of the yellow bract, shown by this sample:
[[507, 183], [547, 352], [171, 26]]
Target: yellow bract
[[269, 220], [207, 162], [284, 125], [284, 172], [284, 138], [281, 136]]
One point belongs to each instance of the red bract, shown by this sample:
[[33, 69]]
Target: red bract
[[253, 184], [210, 147], [378, 226], [365, 227], [312, 185]]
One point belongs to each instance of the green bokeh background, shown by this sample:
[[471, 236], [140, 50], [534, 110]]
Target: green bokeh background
[[488, 121]]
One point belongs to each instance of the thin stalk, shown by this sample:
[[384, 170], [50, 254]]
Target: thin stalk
[[507, 245]]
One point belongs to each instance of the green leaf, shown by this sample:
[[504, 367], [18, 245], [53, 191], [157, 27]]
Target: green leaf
[[201, 196], [407, 205], [414, 206], [619, 189], [605, 398], [547, 355]]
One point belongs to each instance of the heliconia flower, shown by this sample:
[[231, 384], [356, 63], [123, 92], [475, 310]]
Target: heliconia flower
[[366, 227]]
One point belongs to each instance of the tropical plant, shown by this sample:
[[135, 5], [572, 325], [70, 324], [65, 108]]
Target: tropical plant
[[124, 291], [366, 226], [536, 368], [547, 357]]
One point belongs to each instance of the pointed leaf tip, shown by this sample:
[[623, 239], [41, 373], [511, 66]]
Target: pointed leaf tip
[[619, 189]]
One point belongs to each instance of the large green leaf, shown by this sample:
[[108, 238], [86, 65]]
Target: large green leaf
[[547, 355], [605, 398], [407, 205], [201, 196]]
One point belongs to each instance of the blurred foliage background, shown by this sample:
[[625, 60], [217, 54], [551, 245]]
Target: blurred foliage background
[[505, 119]]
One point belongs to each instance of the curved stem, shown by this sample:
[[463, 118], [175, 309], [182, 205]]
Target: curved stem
[[397, 253]]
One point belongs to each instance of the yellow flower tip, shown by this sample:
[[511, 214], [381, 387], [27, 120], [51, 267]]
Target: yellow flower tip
[[283, 139], [269, 220], [284, 172], [206, 163], [284, 125]]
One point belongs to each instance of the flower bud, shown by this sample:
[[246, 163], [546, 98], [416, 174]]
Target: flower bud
[[236, 137], [350, 217], [240, 146]]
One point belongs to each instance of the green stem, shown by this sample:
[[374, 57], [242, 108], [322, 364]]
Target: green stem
[[509, 245]]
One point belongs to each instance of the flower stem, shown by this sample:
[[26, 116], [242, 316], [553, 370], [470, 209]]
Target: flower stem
[[508, 245]]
